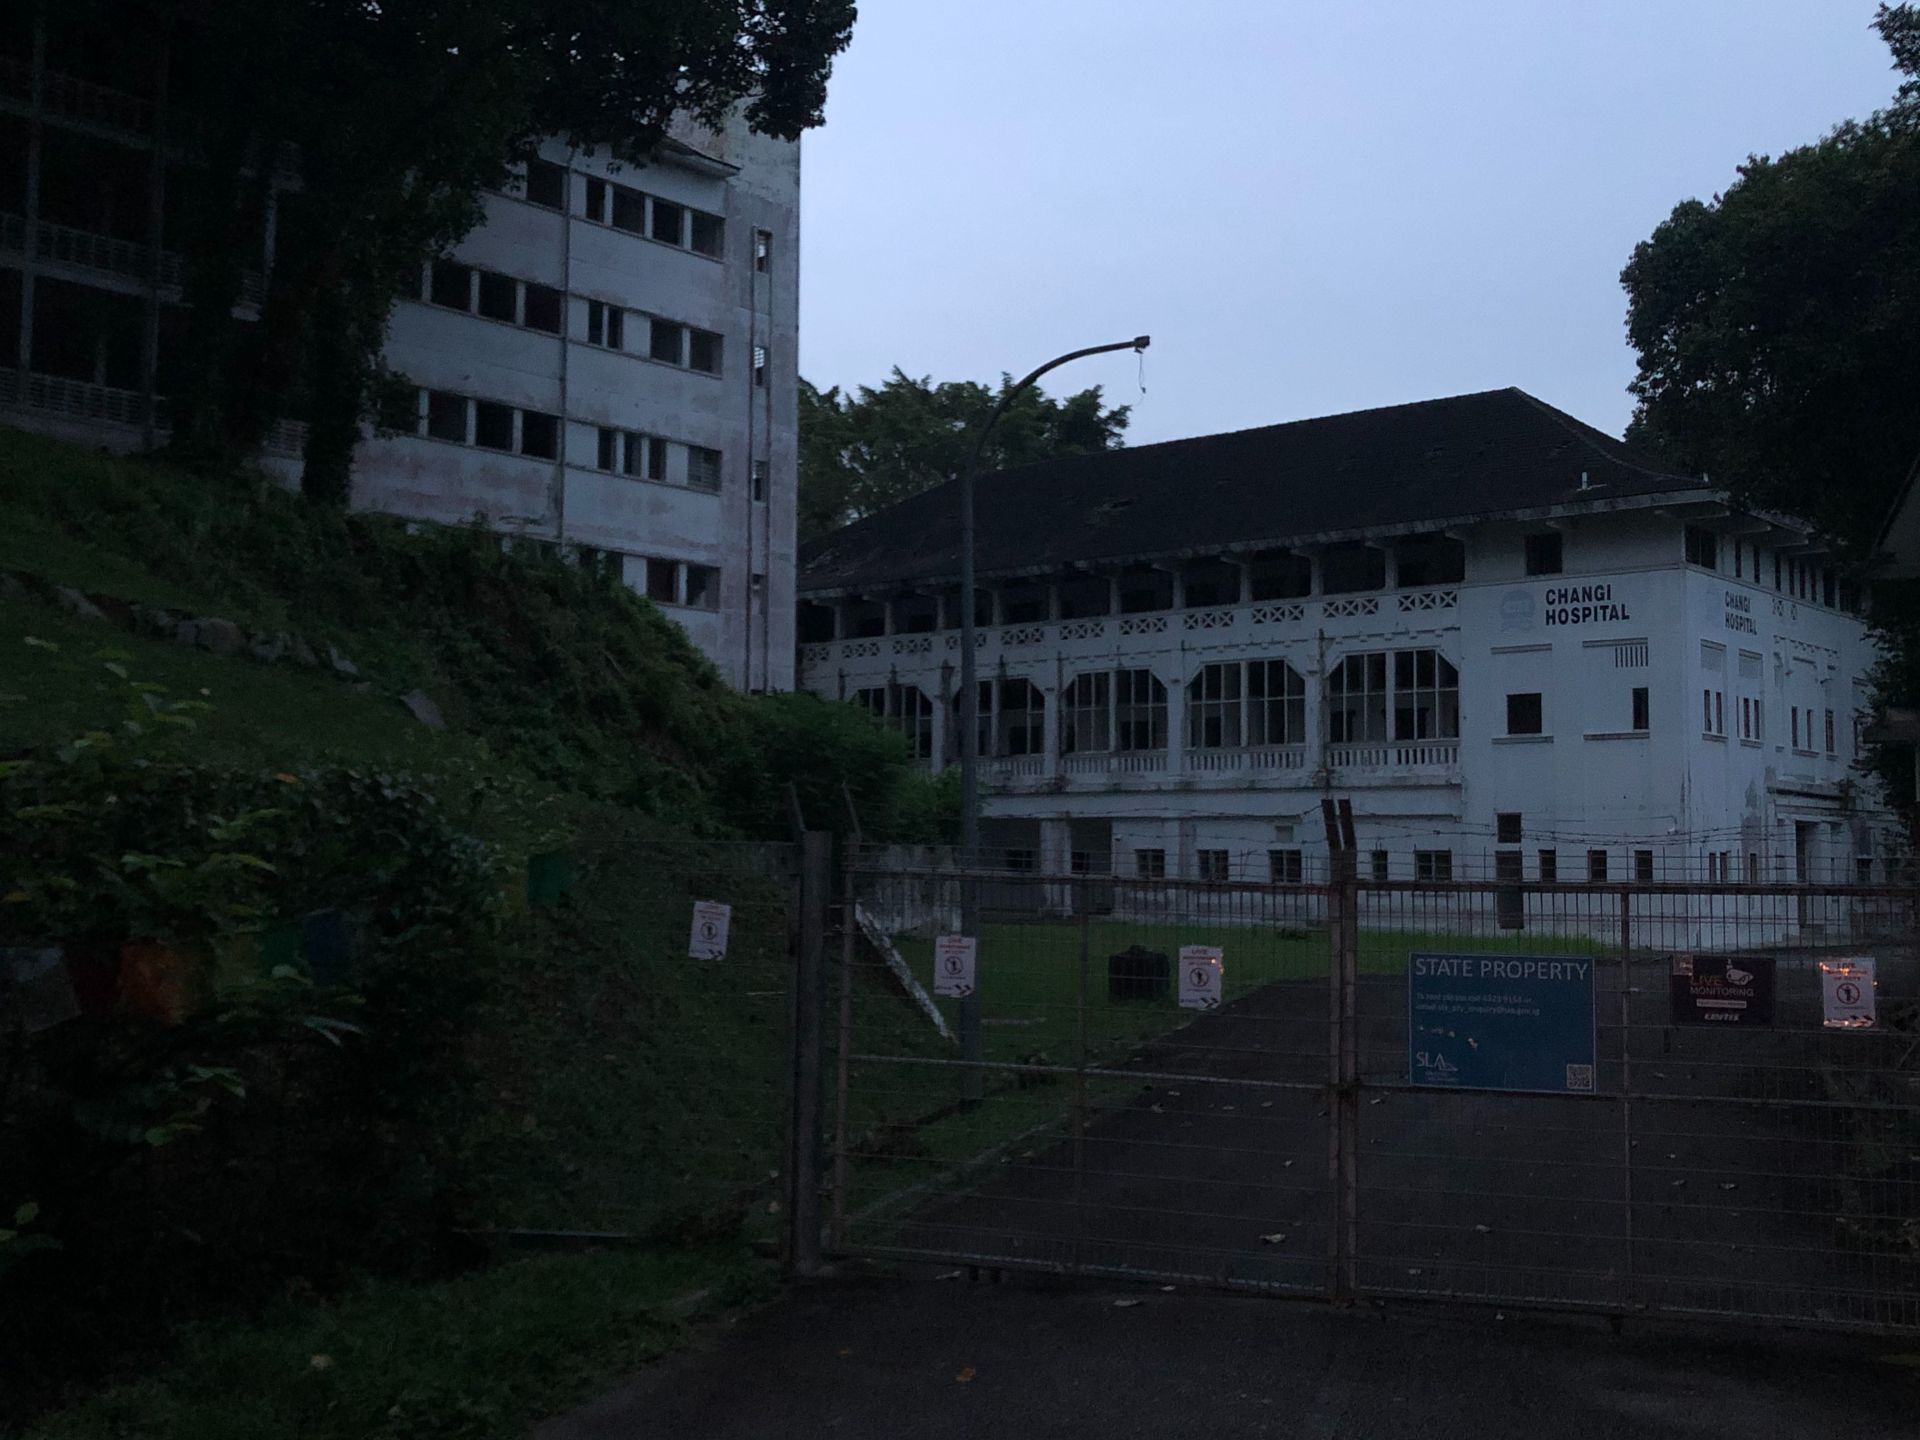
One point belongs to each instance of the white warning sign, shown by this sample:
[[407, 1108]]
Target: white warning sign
[[1846, 992], [711, 921], [953, 958], [1202, 977]]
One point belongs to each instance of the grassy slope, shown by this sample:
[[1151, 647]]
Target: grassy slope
[[625, 1090]]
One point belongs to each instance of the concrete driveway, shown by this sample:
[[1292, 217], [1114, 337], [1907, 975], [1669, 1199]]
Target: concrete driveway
[[917, 1358]]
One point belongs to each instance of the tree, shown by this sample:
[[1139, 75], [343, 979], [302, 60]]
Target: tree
[[1778, 328], [396, 118], [864, 451]]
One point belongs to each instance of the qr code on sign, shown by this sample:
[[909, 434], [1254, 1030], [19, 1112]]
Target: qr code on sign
[[1579, 1077]]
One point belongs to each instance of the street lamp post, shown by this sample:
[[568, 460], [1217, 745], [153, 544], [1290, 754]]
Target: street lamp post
[[971, 1088]]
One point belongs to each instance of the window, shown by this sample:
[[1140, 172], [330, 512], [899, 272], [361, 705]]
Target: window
[[547, 184], [1510, 906], [499, 297], [758, 479], [1643, 866], [1022, 727], [1083, 714], [1279, 575], [543, 308], [1544, 553], [703, 352], [1713, 718], [1213, 708], [1549, 865], [1285, 867], [1829, 715], [703, 587], [663, 578], [1596, 865], [1702, 548], [596, 200], [1863, 870], [1776, 569], [1523, 714], [762, 250], [1748, 730], [904, 708], [606, 325], [1211, 866], [1753, 867], [667, 342], [1347, 568], [760, 366], [1641, 718], [1796, 726], [1378, 862], [1276, 704], [1429, 560], [1507, 828], [1021, 859], [629, 210], [1357, 700], [1139, 711], [1426, 696], [539, 435], [1737, 548], [451, 285], [609, 454], [669, 223], [703, 468], [1150, 864], [447, 416], [707, 234], [1433, 865], [654, 465], [492, 425]]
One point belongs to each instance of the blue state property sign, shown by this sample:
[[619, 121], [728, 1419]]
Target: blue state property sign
[[1500, 1022]]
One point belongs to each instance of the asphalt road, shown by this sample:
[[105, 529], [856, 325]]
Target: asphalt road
[[922, 1359]]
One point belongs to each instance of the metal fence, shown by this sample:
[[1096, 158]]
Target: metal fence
[[1288, 1138]]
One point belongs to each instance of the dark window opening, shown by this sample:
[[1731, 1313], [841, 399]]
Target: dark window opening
[[668, 222], [703, 587], [451, 285], [1523, 714], [1345, 569], [1702, 548], [708, 233], [759, 482], [492, 425], [1429, 560], [1643, 866], [668, 342], [1545, 554], [1597, 866], [543, 309], [447, 416], [1433, 865], [547, 184], [1279, 575], [597, 200], [1143, 590], [1549, 865], [1641, 717], [762, 249], [1506, 827], [629, 210], [1209, 583], [703, 468], [1150, 864], [703, 351], [497, 297], [1285, 867], [539, 435], [662, 581], [609, 449]]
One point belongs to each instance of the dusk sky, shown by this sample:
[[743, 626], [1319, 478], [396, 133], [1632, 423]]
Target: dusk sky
[[1312, 207]]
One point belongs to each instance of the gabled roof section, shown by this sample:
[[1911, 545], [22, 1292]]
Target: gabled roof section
[[1436, 461]]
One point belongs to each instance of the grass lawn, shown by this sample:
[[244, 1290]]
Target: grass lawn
[[480, 1357], [1030, 977]]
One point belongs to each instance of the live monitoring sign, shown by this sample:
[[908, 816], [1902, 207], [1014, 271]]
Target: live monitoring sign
[[1722, 990], [1500, 1022]]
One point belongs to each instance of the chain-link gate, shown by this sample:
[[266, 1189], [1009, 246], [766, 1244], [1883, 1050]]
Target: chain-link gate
[[1282, 1139]]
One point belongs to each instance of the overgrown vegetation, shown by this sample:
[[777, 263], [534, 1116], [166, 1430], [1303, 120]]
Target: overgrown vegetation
[[304, 1027]]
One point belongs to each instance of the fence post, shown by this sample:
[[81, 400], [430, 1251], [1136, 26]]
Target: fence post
[[809, 994], [1626, 1088], [1343, 1098], [843, 1049]]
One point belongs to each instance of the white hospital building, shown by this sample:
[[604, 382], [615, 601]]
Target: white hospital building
[[609, 361], [1521, 649]]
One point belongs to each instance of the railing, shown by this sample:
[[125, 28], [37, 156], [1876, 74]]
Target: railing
[[1430, 600], [1423, 754], [87, 250], [1251, 758], [1009, 767], [913, 644], [79, 399]]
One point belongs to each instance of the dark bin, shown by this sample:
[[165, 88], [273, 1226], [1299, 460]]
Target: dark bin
[[1137, 973]]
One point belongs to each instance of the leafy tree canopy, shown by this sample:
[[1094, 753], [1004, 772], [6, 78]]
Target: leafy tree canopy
[[1778, 325], [868, 449], [395, 117]]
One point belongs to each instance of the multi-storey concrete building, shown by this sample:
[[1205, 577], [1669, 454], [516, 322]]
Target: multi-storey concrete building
[[1521, 649], [609, 361]]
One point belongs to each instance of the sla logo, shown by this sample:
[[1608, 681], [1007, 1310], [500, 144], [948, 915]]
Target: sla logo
[[1435, 1064]]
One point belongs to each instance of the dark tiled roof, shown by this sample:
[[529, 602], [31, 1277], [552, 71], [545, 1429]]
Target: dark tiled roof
[[1486, 454]]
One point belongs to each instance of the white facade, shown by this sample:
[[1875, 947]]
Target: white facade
[[1736, 761], [697, 254]]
